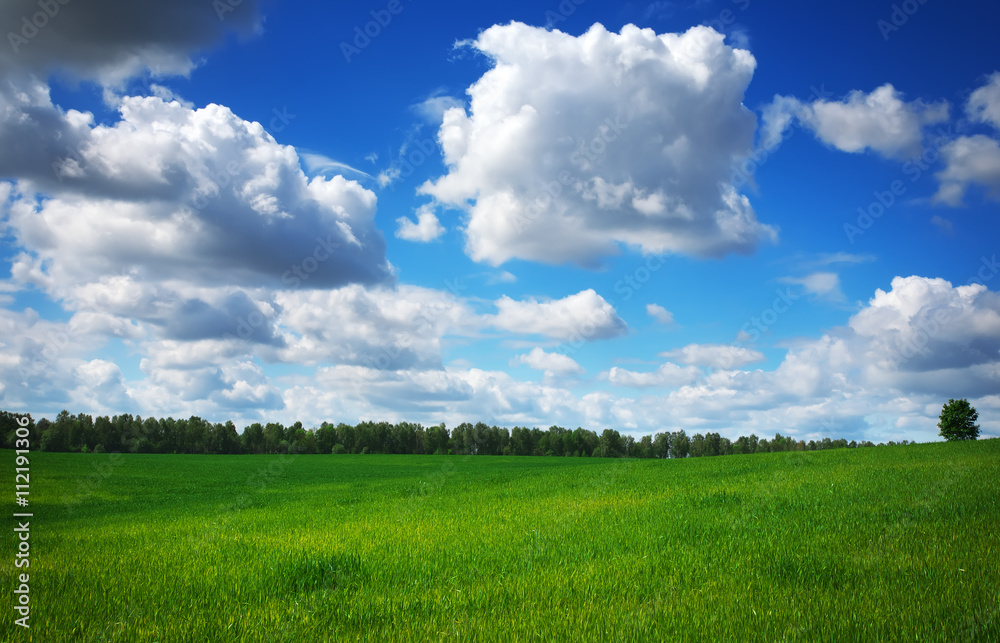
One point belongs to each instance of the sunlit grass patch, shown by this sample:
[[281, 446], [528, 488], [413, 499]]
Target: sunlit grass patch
[[878, 544]]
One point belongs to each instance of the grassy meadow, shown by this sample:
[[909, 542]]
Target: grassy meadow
[[880, 544]]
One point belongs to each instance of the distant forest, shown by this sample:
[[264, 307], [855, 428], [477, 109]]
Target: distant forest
[[125, 433]]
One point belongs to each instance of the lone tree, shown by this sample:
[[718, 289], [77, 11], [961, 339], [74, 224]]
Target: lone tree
[[958, 421]]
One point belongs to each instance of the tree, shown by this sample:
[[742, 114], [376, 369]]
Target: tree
[[680, 444], [437, 439], [713, 444], [645, 447], [253, 439], [611, 444], [697, 448], [326, 437], [958, 421], [661, 445]]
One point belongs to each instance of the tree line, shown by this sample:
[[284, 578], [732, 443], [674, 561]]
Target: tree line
[[127, 433]]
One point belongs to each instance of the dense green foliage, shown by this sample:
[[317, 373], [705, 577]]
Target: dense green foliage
[[890, 544], [125, 433], [958, 421]]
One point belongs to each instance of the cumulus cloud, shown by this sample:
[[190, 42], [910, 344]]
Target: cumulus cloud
[[880, 121], [451, 396], [910, 346], [46, 362], [583, 316], [102, 381], [922, 341], [551, 363], [574, 145], [973, 160], [668, 375], [380, 328], [200, 196], [714, 355], [926, 331], [969, 160], [426, 229], [984, 103], [660, 314], [111, 40]]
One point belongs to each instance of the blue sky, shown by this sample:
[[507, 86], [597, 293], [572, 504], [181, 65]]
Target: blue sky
[[717, 216]]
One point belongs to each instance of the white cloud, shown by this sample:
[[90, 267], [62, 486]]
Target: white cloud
[[715, 355], [973, 160], [825, 285], [574, 145], [102, 382], [321, 164], [378, 328], [171, 193], [451, 396], [666, 376], [908, 349], [583, 316], [880, 121], [969, 160], [660, 314], [46, 362], [925, 330], [776, 118], [426, 229], [432, 109], [551, 363], [984, 103]]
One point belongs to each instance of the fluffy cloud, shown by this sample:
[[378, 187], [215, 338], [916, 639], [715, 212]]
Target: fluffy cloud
[[973, 160], [880, 121], [921, 341], [380, 328], [666, 376], [110, 40], [969, 160], [714, 355], [451, 396], [660, 314], [427, 228], [200, 196], [583, 316], [574, 145], [925, 329], [47, 362], [984, 103], [551, 363]]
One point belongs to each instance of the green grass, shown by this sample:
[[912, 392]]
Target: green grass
[[878, 544]]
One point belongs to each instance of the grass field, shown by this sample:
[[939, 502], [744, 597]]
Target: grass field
[[877, 544]]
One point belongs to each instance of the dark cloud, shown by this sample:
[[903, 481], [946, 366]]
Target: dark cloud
[[110, 40]]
